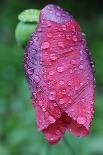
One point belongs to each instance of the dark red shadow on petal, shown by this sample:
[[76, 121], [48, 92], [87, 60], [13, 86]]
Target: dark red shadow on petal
[[74, 128], [54, 132]]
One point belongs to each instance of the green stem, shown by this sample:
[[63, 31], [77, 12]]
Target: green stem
[[67, 144]]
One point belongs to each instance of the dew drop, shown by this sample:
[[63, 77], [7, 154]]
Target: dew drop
[[49, 35], [74, 38], [67, 36], [70, 101], [61, 82], [61, 44], [64, 27], [81, 67], [81, 120], [73, 62], [70, 71], [81, 83], [48, 23], [29, 71], [83, 100], [61, 101], [40, 103], [45, 45], [53, 56], [76, 88], [51, 119], [51, 73], [60, 69], [39, 30], [81, 58], [36, 78], [52, 95], [43, 109], [58, 14], [69, 83]]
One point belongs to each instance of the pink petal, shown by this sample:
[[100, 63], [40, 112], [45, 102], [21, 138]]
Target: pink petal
[[60, 75]]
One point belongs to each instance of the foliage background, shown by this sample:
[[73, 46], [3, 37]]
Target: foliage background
[[18, 133]]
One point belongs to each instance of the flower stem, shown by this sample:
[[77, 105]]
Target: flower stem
[[67, 144]]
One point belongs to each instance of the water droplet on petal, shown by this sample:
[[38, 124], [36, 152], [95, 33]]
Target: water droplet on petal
[[73, 62], [36, 78], [53, 56], [48, 23], [70, 101], [81, 83], [81, 120], [81, 67], [70, 71], [29, 71], [68, 37], [52, 95], [61, 44], [51, 119], [61, 101], [39, 29], [61, 82], [49, 35], [64, 27], [69, 83], [51, 73], [45, 45], [60, 69], [74, 38], [43, 109], [58, 14]]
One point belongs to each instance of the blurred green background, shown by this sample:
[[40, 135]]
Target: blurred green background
[[18, 133]]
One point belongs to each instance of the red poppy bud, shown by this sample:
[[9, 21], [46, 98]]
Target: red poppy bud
[[60, 75]]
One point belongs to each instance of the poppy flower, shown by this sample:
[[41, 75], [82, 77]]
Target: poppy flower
[[59, 72]]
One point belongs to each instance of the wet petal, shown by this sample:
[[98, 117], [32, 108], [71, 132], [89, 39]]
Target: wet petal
[[60, 75]]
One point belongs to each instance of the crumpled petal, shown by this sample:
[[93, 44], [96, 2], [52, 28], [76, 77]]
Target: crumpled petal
[[60, 75]]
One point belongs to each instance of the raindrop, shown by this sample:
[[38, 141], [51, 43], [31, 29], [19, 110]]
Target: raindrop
[[58, 14], [52, 95], [61, 101], [53, 56], [61, 82], [51, 73], [43, 109], [69, 83], [75, 38], [36, 78], [61, 44], [60, 69], [48, 23], [64, 27], [81, 83], [49, 35], [73, 62], [29, 71], [81, 119], [70, 101], [81, 67], [45, 45], [39, 30], [70, 71], [67, 36], [64, 91], [76, 88], [51, 119]]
